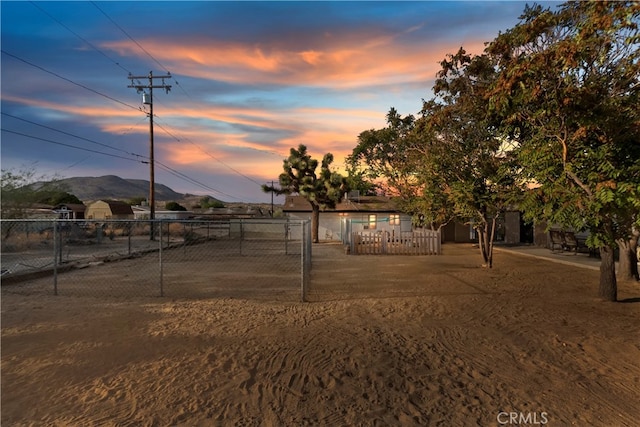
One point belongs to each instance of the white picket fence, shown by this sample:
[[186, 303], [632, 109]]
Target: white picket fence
[[425, 242]]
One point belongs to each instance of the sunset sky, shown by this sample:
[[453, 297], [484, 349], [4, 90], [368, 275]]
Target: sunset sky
[[249, 81]]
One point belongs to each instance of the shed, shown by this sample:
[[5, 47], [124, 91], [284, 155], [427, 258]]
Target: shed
[[109, 209]]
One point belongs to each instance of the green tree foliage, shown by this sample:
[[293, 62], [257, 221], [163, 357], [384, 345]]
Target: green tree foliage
[[174, 206], [465, 169], [210, 202], [322, 190], [381, 153], [56, 197], [449, 163], [16, 193], [568, 89], [137, 201], [21, 189], [386, 158]]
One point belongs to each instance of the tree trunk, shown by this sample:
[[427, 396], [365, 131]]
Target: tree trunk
[[628, 269], [490, 246], [608, 290], [483, 242], [315, 222]]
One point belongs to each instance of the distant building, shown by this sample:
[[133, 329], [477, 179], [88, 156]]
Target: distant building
[[70, 210], [359, 213], [109, 209], [144, 213]]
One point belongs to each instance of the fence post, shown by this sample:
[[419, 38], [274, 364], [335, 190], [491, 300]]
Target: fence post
[[55, 257], [286, 237], [305, 259], [184, 238], [383, 246], [160, 260]]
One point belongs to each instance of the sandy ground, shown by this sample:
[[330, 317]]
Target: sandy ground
[[384, 341]]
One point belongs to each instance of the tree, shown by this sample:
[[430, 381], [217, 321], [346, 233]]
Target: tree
[[56, 197], [210, 202], [137, 201], [386, 157], [380, 154], [568, 86], [174, 206], [465, 170], [323, 190], [16, 193], [21, 189]]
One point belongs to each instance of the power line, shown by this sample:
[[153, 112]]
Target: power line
[[131, 38], [70, 134], [193, 181], [80, 37], [68, 80], [168, 169], [140, 46], [111, 98], [72, 146], [212, 156]]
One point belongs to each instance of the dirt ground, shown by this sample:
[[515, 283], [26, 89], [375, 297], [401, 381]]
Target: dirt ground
[[383, 341]]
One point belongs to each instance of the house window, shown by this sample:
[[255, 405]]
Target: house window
[[394, 219], [372, 222]]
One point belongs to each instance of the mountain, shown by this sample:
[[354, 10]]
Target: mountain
[[113, 187]]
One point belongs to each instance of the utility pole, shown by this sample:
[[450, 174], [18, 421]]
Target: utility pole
[[147, 99]]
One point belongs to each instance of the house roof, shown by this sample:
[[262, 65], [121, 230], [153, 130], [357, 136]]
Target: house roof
[[360, 204], [75, 207]]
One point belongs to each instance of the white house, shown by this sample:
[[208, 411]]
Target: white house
[[371, 213]]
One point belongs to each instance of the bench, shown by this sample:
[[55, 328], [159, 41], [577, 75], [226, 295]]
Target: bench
[[557, 240], [567, 241]]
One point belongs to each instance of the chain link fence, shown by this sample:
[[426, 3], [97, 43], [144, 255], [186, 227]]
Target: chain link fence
[[168, 258]]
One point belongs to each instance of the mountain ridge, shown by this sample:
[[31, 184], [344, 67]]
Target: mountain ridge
[[91, 188]]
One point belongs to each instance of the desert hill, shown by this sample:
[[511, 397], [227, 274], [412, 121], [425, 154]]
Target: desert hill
[[114, 187]]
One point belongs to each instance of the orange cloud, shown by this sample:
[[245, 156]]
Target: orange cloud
[[359, 61]]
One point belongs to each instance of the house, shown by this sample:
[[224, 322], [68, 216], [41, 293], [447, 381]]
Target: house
[[511, 229], [144, 213], [109, 209], [353, 213], [70, 210]]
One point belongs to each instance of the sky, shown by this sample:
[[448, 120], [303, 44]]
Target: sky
[[249, 81]]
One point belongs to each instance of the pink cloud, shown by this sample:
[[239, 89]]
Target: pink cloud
[[356, 61]]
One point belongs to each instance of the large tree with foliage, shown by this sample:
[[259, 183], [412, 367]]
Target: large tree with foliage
[[380, 155], [322, 190], [449, 163], [387, 158], [21, 189], [568, 89], [465, 168]]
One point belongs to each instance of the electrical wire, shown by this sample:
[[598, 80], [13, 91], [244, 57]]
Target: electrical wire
[[73, 146], [80, 37], [68, 80], [162, 165], [131, 38], [72, 135], [115, 100]]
